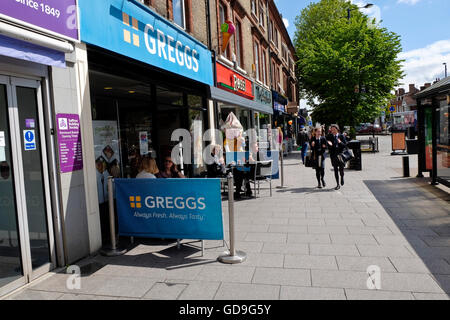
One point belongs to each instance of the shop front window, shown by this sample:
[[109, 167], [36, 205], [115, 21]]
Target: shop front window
[[443, 143]]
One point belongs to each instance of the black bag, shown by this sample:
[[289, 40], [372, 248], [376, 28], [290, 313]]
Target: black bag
[[345, 156], [309, 160]]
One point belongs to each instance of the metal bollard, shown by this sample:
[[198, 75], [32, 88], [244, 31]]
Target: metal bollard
[[406, 167], [113, 251], [233, 256], [282, 171]]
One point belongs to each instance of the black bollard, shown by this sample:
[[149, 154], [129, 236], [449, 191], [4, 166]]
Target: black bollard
[[406, 167]]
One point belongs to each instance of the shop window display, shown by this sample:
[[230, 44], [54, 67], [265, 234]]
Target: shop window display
[[443, 143]]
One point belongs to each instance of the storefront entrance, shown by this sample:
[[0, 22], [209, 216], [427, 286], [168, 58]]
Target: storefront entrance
[[26, 234]]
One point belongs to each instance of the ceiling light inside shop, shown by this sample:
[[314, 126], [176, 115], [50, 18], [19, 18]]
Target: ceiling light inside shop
[[108, 88], [131, 92]]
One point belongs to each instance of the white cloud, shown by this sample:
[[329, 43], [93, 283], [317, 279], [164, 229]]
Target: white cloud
[[286, 22], [411, 2], [425, 64]]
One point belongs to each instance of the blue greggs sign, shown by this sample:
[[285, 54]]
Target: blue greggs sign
[[170, 208], [131, 29]]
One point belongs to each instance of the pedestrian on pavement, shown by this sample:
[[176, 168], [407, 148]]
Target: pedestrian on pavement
[[318, 147], [303, 142], [337, 144]]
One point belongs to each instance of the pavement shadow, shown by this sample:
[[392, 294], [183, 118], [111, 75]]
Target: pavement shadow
[[427, 229], [159, 254], [306, 190]]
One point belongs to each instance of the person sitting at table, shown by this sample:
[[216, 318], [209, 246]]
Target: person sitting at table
[[170, 170], [217, 168], [148, 169]]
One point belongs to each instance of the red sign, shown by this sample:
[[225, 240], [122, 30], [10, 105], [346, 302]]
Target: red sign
[[233, 82]]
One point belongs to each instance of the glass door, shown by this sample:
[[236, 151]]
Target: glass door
[[26, 234]]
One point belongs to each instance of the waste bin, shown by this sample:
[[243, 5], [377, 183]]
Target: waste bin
[[356, 162]]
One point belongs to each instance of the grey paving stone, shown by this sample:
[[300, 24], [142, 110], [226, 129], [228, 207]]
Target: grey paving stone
[[310, 293], [286, 248], [418, 265], [411, 282], [430, 296], [354, 294], [199, 290], [165, 291], [239, 291], [288, 229], [344, 222], [333, 250], [278, 276], [327, 230], [384, 251], [251, 227], [307, 222], [339, 279], [369, 230], [264, 260], [35, 295], [308, 238], [119, 286], [271, 221], [353, 239], [434, 241], [267, 237], [69, 296], [310, 262], [225, 273], [362, 263]]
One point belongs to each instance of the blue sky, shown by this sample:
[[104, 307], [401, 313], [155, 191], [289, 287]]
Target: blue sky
[[424, 27]]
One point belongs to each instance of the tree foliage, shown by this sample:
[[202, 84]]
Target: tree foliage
[[347, 69]]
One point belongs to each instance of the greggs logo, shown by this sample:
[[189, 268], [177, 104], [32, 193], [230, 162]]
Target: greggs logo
[[158, 43], [179, 203], [135, 202]]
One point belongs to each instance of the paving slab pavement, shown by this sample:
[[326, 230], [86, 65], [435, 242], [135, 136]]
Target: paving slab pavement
[[302, 243]]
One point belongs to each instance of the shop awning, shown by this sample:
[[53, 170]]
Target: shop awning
[[233, 99], [31, 52]]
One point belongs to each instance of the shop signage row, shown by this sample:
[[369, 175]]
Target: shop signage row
[[263, 96], [131, 29], [55, 16], [231, 81]]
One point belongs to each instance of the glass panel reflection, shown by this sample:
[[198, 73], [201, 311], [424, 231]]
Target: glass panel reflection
[[10, 258]]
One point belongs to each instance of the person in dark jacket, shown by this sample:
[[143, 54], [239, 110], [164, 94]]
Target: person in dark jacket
[[318, 148], [337, 144], [303, 142]]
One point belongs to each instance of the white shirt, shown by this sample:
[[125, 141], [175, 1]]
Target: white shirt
[[145, 175]]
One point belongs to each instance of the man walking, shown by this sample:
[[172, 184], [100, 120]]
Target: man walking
[[303, 142]]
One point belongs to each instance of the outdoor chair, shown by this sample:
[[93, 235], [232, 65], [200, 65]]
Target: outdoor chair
[[262, 173]]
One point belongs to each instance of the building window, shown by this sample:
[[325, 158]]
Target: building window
[[263, 62], [254, 10], [222, 13], [261, 15], [179, 16], [270, 30], [276, 37], [256, 53], [238, 37], [284, 53]]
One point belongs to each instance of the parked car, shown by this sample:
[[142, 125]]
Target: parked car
[[370, 128]]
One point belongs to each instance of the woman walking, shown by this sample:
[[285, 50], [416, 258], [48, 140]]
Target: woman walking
[[337, 144], [318, 147]]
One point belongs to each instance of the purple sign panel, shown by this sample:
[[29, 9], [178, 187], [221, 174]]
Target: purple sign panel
[[69, 140], [58, 16]]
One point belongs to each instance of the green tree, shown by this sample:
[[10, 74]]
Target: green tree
[[347, 69]]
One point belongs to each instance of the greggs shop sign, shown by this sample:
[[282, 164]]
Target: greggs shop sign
[[133, 30], [229, 80]]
